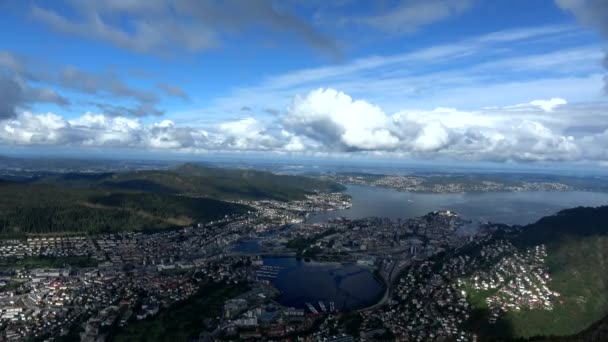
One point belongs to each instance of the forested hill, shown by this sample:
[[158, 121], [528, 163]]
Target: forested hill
[[43, 208], [567, 224], [195, 180], [137, 200]]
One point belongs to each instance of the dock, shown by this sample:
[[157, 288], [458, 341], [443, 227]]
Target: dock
[[312, 308]]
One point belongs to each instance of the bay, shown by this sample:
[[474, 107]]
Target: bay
[[501, 207], [348, 285]]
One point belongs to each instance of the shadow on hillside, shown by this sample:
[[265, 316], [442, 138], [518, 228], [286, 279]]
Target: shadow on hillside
[[502, 330], [575, 222], [597, 332]]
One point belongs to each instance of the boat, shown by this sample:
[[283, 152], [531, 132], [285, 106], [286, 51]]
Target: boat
[[312, 308]]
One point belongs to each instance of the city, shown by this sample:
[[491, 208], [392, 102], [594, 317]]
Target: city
[[304, 171], [109, 281]]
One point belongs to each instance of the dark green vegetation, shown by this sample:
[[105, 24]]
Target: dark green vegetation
[[231, 184], [138, 200], [352, 323], [302, 245], [598, 332], [577, 248], [42, 208], [185, 320], [47, 262]]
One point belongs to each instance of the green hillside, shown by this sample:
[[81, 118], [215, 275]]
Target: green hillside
[[577, 260], [195, 180], [221, 183], [598, 332], [139, 200], [42, 208]]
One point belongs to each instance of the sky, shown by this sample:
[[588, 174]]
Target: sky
[[501, 81]]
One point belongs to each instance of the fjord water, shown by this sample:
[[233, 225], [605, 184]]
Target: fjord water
[[502, 207], [349, 286]]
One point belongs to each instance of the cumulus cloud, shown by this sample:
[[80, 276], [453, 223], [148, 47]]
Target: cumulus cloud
[[520, 132], [246, 134], [32, 129], [327, 121], [338, 121], [432, 137]]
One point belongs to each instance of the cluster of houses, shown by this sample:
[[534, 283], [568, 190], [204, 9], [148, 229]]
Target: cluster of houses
[[426, 305], [60, 246], [374, 237], [53, 301], [516, 280], [295, 211], [254, 315], [427, 184]]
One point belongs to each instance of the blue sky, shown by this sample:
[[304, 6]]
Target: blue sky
[[468, 80]]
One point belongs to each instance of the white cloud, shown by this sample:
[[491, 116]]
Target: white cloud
[[100, 130], [432, 137], [548, 105], [333, 118], [330, 122], [245, 134], [445, 74], [29, 128]]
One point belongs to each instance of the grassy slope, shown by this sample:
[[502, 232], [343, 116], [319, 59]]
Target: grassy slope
[[578, 268], [577, 246], [598, 332]]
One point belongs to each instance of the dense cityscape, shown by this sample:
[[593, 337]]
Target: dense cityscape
[[304, 171], [95, 285]]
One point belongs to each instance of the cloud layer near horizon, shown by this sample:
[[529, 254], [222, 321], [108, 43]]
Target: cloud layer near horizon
[[326, 121]]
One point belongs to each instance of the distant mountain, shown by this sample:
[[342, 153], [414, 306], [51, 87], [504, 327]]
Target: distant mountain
[[48, 164], [196, 180]]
